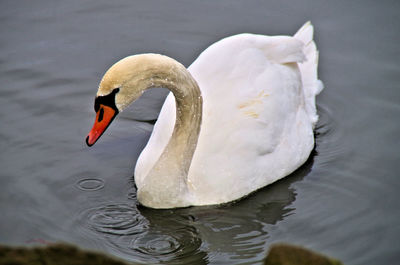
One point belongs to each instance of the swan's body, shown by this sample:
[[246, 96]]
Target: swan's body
[[246, 123]]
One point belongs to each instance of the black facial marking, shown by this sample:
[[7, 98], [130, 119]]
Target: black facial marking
[[101, 114], [108, 100]]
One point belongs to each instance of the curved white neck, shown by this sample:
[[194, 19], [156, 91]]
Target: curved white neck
[[165, 185]]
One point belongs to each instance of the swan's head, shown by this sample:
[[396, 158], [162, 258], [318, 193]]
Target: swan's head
[[126, 81], [123, 83]]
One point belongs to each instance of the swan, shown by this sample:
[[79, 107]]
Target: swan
[[239, 118]]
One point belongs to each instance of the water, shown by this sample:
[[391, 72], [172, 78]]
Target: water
[[342, 202]]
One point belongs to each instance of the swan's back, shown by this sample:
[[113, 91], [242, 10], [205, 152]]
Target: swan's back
[[258, 115]]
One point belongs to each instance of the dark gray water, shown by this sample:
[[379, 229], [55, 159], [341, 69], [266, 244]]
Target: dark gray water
[[342, 202]]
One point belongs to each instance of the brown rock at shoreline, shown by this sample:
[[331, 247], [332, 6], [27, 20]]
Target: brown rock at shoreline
[[284, 254], [53, 254]]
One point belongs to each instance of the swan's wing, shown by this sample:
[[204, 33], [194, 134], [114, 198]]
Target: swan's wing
[[312, 86], [255, 128]]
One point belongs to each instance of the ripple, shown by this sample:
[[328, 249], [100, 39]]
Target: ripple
[[165, 241], [177, 246], [158, 244], [326, 122], [329, 137], [163, 246], [116, 219], [127, 233], [90, 184]]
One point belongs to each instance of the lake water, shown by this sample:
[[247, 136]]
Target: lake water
[[343, 202]]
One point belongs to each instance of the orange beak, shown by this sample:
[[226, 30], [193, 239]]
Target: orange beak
[[104, 116]]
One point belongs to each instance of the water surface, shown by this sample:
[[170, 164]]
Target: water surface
[[342, 202]]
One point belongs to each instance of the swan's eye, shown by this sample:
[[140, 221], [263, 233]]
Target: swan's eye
[[101, 115]]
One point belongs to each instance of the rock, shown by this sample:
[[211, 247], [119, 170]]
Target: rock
[[53, 254], [284, 254]]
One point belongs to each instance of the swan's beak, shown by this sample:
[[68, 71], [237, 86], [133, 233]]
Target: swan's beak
[[104, 116]]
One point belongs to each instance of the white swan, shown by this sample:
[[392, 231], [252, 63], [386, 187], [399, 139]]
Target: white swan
[[245, 117]]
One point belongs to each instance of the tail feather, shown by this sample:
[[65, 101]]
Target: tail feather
[[309, 69], [305, 33]]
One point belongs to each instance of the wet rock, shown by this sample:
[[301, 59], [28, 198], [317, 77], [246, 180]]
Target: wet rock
[[284, 254], [54, 254]]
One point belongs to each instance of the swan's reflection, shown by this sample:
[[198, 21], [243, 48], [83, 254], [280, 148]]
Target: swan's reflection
[[232, 231]]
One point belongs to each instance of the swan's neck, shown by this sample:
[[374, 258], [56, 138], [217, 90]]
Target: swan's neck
[[165, 185]]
